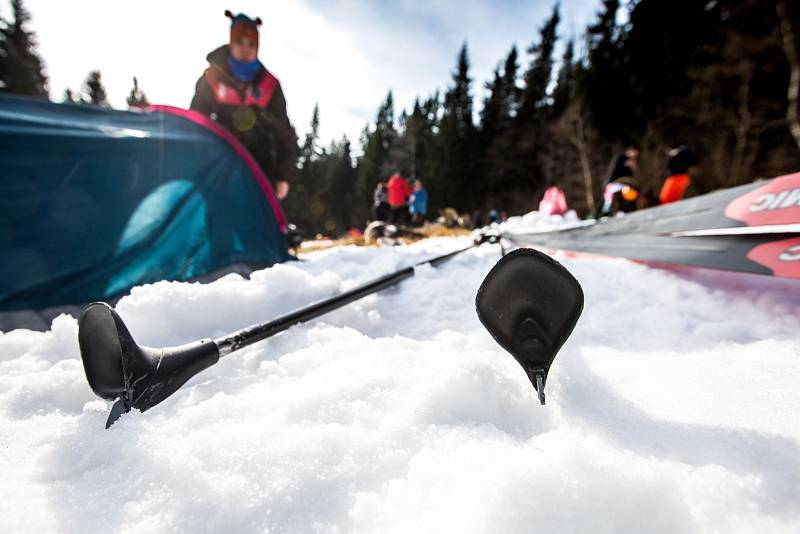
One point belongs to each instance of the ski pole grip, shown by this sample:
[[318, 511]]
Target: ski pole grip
[[174, 366]]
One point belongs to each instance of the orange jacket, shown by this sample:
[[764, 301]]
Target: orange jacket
[[673, 188], [399, 190]]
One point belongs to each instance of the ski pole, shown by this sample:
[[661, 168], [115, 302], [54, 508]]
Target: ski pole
[[119, 369]]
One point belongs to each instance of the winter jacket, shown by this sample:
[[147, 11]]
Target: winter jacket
[[418, 202], [254, 111], [399, 190], [674, 188], [554, 201]]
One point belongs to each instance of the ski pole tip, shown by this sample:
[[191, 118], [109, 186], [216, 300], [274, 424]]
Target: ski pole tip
[[540, 386]]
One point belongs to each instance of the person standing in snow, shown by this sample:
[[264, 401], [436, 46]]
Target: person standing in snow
[[239, 93], [380, 203], [399, 191], [554, 201], [418, 204], [678, 179], [621, 192]]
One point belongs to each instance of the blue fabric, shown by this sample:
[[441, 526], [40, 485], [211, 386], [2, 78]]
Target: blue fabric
[[96, 201], [243, 71], [418, 202]]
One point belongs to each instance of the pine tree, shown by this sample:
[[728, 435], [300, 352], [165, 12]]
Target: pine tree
[[508, 166], [454, 183], [734, 113], [375, 164], [540, 72], [137, 98], [407, 148], [497, 136], [512, 91], [305, 207], [602, 36], [424, 126], [310, 150], [69, 97], [458, 100], [21, 69], [790, 50], [606, 81], [653, 57], [535, 113], [94, 89], [339, 175], [491, 114], [564, 91]]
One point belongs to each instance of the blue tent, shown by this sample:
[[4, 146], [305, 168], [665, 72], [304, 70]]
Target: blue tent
[[95, 201]]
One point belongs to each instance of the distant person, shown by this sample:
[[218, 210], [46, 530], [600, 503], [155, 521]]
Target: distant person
[[494, 216], [624, 165], [678, 179], [629, 198], [477, 219], [399, 191], [380, 202], [239, 93], [554, 201], [621, 191], [418, 204]]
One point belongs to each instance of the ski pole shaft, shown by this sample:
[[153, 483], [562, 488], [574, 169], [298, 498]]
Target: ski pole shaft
[[255, 333]]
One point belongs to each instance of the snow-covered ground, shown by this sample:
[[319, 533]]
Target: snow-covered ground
[[672, 408]]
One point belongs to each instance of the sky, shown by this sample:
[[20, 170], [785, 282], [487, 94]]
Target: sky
[[343, 54]]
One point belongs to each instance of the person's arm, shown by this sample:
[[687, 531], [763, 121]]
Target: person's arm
[[286, 139], [203, 100], [407, 189]]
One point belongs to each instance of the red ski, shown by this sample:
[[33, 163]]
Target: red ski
[[753, 228]]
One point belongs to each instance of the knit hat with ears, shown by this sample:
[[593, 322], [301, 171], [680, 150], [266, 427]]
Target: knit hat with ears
[[243, 27]]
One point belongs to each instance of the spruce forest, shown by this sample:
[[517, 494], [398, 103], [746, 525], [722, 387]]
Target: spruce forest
[[719, 76]]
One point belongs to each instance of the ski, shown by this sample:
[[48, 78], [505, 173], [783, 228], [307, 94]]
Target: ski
[[742, 230], [754, 228]]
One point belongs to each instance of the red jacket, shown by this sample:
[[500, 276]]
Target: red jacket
[[399, 190]]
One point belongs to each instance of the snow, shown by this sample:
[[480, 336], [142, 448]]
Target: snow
[[672, 408], [534, 222]]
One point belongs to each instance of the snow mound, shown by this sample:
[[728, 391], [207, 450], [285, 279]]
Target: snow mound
[[670, 409]]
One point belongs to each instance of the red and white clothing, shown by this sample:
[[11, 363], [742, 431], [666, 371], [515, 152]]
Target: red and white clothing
[[254, 112]]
